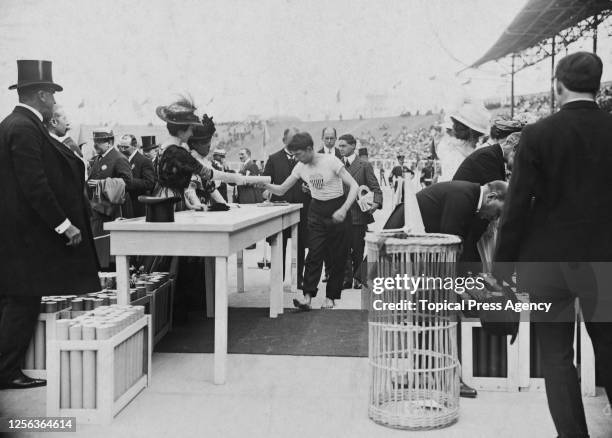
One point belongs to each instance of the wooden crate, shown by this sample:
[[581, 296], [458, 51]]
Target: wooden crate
[[48, 320], [108, 404], [480, 350], [161, 307], [522, 358], [584, 358]]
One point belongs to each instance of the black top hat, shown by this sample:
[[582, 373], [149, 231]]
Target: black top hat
[[148, 142], [102, 134], [33, 72], [159, 209]]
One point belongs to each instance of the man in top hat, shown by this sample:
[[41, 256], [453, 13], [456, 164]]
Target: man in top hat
[[143, 175], [556, 229], [45, 238], [149, 147], [108, 163]]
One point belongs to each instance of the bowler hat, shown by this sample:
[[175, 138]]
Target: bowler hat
[[580, 72], [159, 209], [34, 72], [102, 134], [148, 142], [178, 113]]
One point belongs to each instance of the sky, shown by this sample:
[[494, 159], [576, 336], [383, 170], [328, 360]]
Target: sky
[[312, 59]]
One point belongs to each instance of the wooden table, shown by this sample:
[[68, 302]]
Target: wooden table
[[210, 234]]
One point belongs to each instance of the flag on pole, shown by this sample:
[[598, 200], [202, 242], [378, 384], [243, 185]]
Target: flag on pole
[[266, 137]]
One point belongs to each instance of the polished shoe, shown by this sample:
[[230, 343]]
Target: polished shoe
[[467, 391], [325, 278], [357, 284], [22, 382]]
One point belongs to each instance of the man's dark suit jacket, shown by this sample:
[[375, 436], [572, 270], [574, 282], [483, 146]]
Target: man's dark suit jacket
[[278, 168], [450, 208], [363, 173], [482, 166], [143, 180], [113, 165], [249, 194], [41, 185], [559, 202], [336, 151]]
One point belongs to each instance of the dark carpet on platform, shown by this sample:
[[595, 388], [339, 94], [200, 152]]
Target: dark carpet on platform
[[251, 331]]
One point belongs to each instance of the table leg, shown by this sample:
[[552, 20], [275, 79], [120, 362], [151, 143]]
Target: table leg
[[220, 358], [209, 284], [276, 276], [240, 270], [294, 247], [123, 280]]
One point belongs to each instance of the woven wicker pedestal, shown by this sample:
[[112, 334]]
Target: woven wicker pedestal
[[414, 367]]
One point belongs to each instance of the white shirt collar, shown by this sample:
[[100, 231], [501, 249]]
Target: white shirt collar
[[34, 110], [132, 156], [351, 158], [480, 199], [61, 140], [107, 151], [583, 99], [331, 151], [173, 141]]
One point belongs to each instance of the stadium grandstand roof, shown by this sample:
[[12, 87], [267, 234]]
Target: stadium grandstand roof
[[540, 20]]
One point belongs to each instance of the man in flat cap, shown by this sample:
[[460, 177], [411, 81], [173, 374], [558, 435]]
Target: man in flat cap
[[556, 228], [108, 168], [45, 239]]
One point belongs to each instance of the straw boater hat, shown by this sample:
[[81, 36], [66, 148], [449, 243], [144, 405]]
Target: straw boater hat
[[102, 134], [473, 116], [33, 72], [219, 151], [179, 113]]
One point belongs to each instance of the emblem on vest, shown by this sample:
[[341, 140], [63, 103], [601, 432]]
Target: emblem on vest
[[316, 181]]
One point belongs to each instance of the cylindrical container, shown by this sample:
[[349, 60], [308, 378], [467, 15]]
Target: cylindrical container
[[413, 361], [89, 369], [62, 330], [39, 346], [76, 369], [77, 304], [51, 306]]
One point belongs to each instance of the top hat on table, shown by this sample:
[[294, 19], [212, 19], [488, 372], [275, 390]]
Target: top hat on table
[[159, 209], [148, 142], [34, 72]]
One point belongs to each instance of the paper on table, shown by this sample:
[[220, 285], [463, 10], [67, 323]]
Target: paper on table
[[365, 198], [256, 180]]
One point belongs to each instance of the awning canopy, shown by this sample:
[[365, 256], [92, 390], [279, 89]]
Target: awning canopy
[[540, 20]]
